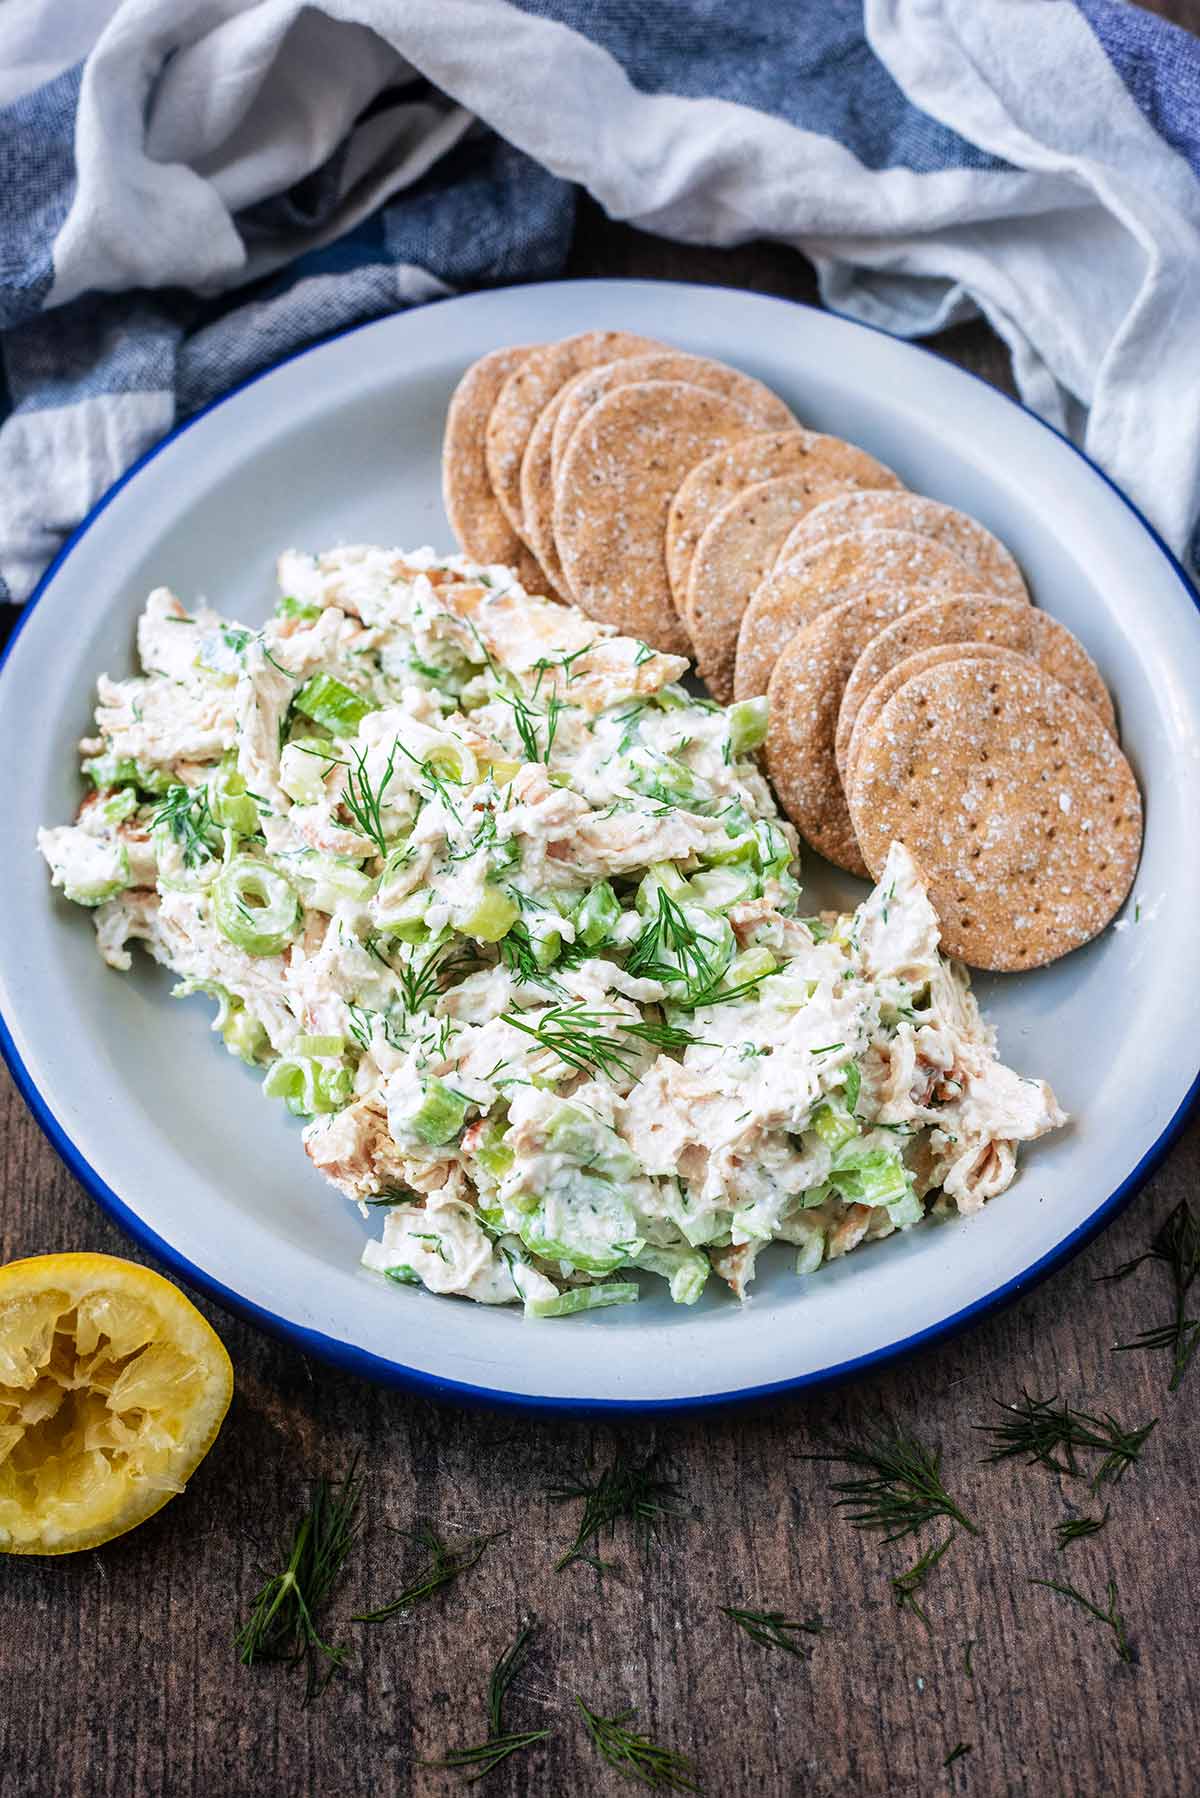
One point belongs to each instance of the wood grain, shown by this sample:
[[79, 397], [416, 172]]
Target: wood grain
[[117, 1672]]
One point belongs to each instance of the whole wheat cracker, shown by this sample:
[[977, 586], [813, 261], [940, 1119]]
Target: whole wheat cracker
[[529, 388], [731, 559], [830, 571], [1014, 799], [803, 697], [829, 463], [476, 516], [625, 459], [891, 682], [978, 547], [960, 619], [557, 421]]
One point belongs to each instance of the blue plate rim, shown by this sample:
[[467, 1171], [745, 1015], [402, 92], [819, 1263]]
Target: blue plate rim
[[351, 1359]]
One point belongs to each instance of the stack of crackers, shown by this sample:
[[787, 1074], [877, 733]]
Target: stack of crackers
[[915, 691]]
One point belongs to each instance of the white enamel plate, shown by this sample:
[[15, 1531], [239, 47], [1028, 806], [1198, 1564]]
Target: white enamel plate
[[342, 444]]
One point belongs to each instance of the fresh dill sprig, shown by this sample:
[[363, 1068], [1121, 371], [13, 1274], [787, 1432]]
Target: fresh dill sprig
[[444, 1567], [580, 1038], [185, 813], [526, 721], [1110, 1616], [906, 1585], [501, 1742], [1074, 1529], [669, 928], [1043, 1430], [774, 1629], [956, 1753], [1176, 1244], [566, 662], [634, 1755], [902, 1487], [423, 978], [283, 1623], [363, 801], [629, 1491]]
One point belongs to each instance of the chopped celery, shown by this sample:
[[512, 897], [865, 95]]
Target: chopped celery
[[441, 1114], [492, 918], [254, 906], [591, 1143], [501, 771], [122, 805], [99, 874], [303, 765], [406, 919], [835, 1127], [122, 771], [240, 1031], [596, 915], [812, 1253], [320, 1045], [230, 804], [327, 880], [747, 723], [660, 877], [583, 1298], [871, 1177], [716, 889], [330, 702], [492, 1152], [751, 965], [853, 1086], [665, 778]]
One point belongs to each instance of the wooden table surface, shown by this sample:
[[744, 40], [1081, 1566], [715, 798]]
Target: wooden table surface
[[118, 1677]]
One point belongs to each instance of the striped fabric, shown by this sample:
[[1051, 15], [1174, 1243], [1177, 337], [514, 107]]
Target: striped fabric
[[191, 189]]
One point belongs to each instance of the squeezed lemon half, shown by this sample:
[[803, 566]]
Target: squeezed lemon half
[[112, 1390]]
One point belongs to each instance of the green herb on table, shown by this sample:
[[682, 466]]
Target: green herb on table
[[501, 1742], [901, 1487], [1051, 1434], [662, 1769], [906, 1585], [956, 1753], [443, 1568], [1110, 1616], [629, 1491], [773, 1629], [1074, 1529], [1177, 1245], [283, 1624], [969, 1659]]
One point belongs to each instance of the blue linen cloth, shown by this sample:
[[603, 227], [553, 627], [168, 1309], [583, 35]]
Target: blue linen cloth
[[191, 189]]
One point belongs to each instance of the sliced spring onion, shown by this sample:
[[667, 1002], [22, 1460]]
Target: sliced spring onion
[[320, 1045], [583, 1298], [254, 906], [230, 804], [440, 1116], [308, 1087]]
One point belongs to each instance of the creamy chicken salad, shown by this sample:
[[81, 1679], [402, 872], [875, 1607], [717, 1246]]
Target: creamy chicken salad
[[509, 916]]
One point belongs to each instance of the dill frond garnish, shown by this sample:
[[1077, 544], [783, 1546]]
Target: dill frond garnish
[[580, 1038], [363, 801], [906, 1585], [774, 1629], [662, 1769], [526, 721], [1048, 1433], [1110, 1615], [184, 812], [1074, 1529], [956, 1753], [901, 1487], [501, 1742], [444, 1567], [628, 1491], [283, 1624], [1177, 1245]]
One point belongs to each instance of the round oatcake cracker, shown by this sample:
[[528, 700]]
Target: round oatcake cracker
[[828, 463], [625, 459], [532, 386], [804, 694], [765, 407], [1014, 799], [475, 514], [557, 422], [895, 678], [973, 542], [731, 559], [962, 619], [826, 574]]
